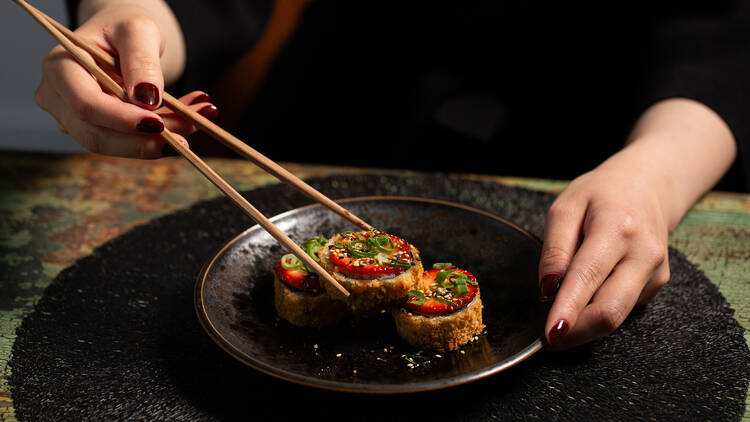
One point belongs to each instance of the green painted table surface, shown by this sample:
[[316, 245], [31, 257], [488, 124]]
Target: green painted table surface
[[55, 209]]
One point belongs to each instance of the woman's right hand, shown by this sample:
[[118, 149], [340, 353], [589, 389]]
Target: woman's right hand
[[100, 122]]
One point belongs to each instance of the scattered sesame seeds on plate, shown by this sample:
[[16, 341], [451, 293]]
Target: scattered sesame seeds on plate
[[234, 301]]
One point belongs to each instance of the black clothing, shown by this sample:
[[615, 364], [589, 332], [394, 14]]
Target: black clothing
[[498, 87]]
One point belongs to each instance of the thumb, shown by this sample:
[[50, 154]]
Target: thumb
[[138, 44]]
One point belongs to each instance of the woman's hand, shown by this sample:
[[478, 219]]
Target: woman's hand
[[100, 122], [605, 237], [605, 247]]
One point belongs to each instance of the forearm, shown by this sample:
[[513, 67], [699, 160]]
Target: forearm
[[173, 42], [682, 148]]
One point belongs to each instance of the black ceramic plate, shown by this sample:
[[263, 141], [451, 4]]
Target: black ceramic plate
[[234, 301]]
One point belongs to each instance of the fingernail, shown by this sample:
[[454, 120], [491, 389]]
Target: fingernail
[[549, 286], [202, 98], [150, 125], [146, 93], [210, 112], [558, 331]]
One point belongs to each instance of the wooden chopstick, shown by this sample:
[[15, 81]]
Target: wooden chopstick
[[108, 83], [216, 131]]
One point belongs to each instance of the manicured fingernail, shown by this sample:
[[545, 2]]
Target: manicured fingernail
[[150, 125], [146, 93], [558, 331], [210, 112], [202, 98], [549, 286]]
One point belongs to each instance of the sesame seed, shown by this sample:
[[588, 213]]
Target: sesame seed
[[392, 347], [315, 346], [462, 352], [354, 372], [438, 356], [382, 311], [385, 350], [338, 355]]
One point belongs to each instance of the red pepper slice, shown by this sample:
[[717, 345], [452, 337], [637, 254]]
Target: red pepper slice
[[297, 278], [435, 307], [369, 268]]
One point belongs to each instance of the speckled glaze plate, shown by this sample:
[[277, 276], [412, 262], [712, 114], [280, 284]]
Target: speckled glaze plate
[[234, 301]]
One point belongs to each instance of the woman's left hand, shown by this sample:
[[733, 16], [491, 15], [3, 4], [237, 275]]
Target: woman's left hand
[[605, 249]]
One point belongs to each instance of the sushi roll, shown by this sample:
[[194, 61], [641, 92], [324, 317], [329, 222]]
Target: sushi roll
[[444, 314], [377, 268], [298, 296]]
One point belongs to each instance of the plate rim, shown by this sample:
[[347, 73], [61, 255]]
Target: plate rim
[[315, 382]]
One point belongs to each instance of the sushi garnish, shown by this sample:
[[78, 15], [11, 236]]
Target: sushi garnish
[[293, 272], [446, 290], [370, 254]]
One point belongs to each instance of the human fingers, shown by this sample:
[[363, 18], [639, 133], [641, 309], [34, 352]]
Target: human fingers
[[106, 141], [100, 140], [658, 280], [138, 43], [85, 100], [562, 232], [604, 245], [641, 273], [198, 102], [608, 309]]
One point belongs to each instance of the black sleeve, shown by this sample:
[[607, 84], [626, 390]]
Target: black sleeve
[[703, 55], [72, 8], [216, 33]]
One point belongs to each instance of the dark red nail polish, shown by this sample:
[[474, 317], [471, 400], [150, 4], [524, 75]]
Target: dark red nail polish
[[146, 93], [549, 286], [202, 98], [558, 331], [150, 125], [210, 112]]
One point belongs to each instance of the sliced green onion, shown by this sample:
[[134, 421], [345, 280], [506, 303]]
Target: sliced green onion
[[440, 278], [312, 249], [456, 276], [382, 243], [397, 264], [317, 239], [448, 278], [460, 289], [355, 234], [356, 253], [363, 251], [442, 265], [416, 297], [291, 262], [313, 245], [473, 283], [442, 299]]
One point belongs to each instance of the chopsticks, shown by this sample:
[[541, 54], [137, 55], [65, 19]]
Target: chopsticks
[[77, 47], [214, 130]]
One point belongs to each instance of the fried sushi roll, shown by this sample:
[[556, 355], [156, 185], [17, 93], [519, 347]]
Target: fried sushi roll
[[377, 268], [298, 296], [443, 315]]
